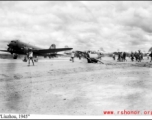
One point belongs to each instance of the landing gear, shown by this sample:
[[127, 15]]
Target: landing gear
[[10, 50], [50, 57], [25, 59], [15, 56], [35, 59]]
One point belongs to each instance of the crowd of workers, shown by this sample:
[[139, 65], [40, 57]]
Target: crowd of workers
[[134, 56], [121, 56]]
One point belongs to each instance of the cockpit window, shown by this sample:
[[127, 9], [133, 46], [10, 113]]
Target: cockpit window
[[13, 41]]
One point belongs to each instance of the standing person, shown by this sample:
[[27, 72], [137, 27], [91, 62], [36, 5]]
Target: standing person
[[99, 55], [139, 56], [30, 56], [88, 57], [147, 56], [113, 55], [150, 56], [124, 56], [79, 56], [118, 56], [136, 56], [132, 56], [72, 56]]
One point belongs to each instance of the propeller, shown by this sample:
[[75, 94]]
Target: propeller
[[4, 43]]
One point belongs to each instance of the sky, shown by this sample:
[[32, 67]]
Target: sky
[[82, 25]]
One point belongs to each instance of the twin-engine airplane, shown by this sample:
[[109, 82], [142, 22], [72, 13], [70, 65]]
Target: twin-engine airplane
[[17, 47]]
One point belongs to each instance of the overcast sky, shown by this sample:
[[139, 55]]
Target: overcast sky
[[83, 25]]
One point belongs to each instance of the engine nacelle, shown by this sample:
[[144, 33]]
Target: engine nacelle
[[25, 49], [15, 56]]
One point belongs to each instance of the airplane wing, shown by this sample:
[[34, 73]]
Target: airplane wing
[[4, 50], [57, 55], [51, 50]]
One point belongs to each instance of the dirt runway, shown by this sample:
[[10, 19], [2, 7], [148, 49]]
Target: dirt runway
[[60, 87]]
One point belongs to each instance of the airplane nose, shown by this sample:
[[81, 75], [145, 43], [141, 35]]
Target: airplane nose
[[8, 45]]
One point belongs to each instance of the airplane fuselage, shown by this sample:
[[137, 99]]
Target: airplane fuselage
[[17, 47]]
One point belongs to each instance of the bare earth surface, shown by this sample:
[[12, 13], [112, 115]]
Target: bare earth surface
[[60, 87]]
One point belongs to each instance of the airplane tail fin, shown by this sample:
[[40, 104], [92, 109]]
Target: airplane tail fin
[[53, 46]]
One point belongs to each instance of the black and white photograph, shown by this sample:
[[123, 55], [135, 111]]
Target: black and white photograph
[[75, 58]]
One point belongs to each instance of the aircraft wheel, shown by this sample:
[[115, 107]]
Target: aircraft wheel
[[25, 59], [35, 60], [15, 56]]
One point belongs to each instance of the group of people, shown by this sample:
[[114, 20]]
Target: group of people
[[134, 56], [150, 55], [121, 56], [72, 56]]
